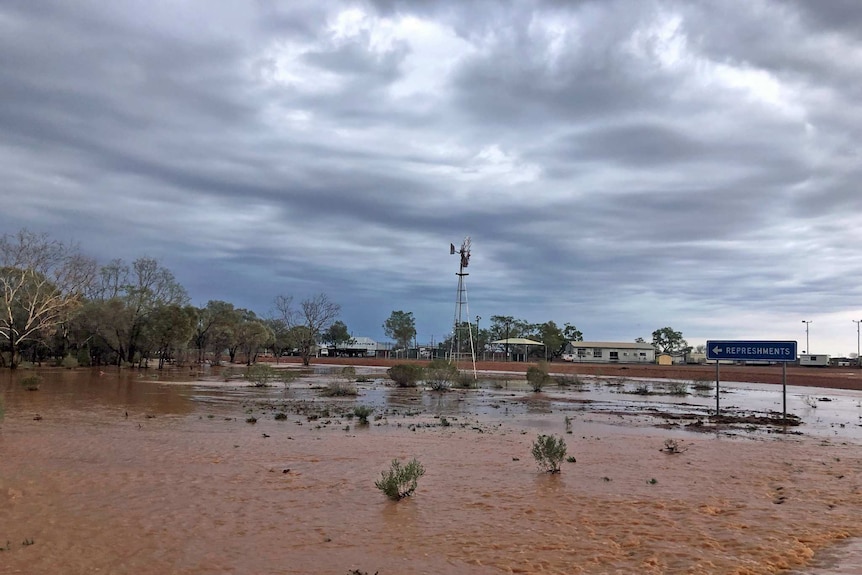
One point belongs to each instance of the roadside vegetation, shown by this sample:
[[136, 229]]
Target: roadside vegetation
[[400, 481]]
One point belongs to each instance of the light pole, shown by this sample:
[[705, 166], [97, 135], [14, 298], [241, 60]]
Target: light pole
[[857, 322], [807, 322]]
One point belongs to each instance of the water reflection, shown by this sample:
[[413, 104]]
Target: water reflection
[[66, 392]]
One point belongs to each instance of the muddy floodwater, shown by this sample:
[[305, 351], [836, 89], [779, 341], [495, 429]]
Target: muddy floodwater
[[127, 472]]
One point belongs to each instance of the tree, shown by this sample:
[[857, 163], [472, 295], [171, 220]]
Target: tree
[[337, 334], [251, 334], [314, 315], [668, 341], [212, 322], [554, 338], [571, 333], [169, 330], [401, 327], [43, 281], [133, 294]]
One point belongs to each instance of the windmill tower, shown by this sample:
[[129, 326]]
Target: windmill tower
[[462, 309]]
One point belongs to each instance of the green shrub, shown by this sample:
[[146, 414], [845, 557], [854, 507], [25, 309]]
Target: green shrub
[[568, 380], [340, 389], [400, 481], [348, 373], [677, 388], [465, 380], [260, 374], [405, 374], [537, 376], [31, 382], [362, 412], [701, 384], [280, 416], [549, 451], [439, 374], [69, 362]]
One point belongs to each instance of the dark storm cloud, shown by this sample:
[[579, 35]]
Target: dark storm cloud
[[620, 165]]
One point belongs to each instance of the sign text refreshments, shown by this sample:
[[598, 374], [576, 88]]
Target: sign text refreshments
[[751, 350]]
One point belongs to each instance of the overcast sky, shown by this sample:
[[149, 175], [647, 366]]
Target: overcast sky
[[619, 165]]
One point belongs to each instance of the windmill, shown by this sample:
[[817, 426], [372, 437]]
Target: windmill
[[461, 307]]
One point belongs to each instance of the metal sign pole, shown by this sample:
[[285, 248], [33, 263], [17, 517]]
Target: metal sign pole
[[784, 391], [716, 388]]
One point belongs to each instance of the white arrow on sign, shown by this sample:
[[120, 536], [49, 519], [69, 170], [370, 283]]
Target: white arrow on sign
[[716, 350]]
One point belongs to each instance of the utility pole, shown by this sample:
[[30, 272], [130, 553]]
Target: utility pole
[[807, 322], [857, 322]]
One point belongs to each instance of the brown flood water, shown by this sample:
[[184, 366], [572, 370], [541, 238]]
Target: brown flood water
[[124, 474]]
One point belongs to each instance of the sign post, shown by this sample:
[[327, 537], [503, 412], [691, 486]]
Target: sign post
[[744, 350]]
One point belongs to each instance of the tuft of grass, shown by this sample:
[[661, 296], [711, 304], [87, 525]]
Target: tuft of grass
[[702, 384], [340, 389], [32, 382], [672, 446], [549, 451], [251, 419], [280, 416], [400, 481], [679, 388], [569, 381], [362, 412]]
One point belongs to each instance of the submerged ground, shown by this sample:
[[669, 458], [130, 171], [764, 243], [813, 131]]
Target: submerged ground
[[129, 472]]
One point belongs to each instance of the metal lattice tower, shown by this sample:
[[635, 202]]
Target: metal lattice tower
[[462, 309]]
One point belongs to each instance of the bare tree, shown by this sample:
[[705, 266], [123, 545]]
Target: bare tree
[[42, 283], [314, 315]]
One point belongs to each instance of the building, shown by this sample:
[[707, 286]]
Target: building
[[360, 347], [609, 352], [811, 360]]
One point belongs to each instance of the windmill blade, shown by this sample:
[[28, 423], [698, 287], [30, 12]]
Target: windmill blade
[[465, 252]]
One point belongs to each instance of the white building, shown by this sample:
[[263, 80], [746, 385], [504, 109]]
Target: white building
[[609, 352]]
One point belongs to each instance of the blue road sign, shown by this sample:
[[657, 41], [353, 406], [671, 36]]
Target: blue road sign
[[751, 350]]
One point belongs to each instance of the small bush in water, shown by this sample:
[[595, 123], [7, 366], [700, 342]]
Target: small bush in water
[[439, 374], [31, 382], [405, 374], [537, 376], [399, 481], [362, 412], [549, 451]]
